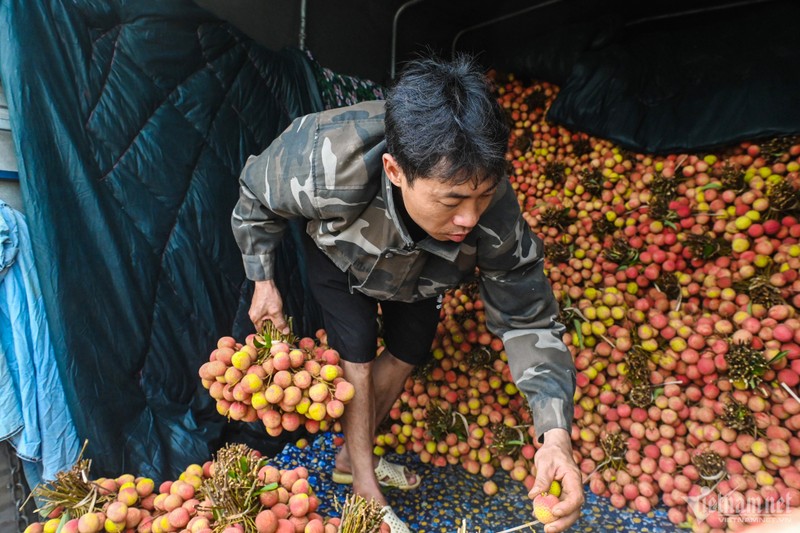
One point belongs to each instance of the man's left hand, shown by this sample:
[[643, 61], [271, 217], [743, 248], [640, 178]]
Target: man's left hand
[[554, 462]]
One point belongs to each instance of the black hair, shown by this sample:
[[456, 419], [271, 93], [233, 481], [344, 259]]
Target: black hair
[[442, 121]]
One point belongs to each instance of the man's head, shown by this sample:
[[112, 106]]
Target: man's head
[[443, 122], [446, 140]]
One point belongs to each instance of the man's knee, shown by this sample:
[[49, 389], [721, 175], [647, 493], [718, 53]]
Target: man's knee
[[396, 363]]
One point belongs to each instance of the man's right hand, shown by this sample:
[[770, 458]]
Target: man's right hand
[[267, 304]]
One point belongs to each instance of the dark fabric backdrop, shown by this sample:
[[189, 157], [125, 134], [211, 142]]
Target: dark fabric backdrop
[[133, 121]]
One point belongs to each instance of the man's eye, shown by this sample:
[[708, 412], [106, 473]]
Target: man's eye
[[449, 205]]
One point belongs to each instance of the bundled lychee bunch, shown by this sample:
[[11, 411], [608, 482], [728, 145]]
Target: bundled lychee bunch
[[284, 384], [238, 492], [78, 504], [244, 493]]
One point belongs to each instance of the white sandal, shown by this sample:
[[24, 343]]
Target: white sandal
[[395, 475], [389, 475], [393, 521]]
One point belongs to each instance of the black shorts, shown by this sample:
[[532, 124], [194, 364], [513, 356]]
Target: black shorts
[[351, 319]]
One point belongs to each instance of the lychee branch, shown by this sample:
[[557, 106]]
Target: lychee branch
[[529, 525], [578, 312], [790, 391]]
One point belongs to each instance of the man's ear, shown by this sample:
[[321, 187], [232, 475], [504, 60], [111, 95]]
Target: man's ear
[[392, 168]]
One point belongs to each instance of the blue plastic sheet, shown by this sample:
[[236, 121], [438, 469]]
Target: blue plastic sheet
[[449, 495]]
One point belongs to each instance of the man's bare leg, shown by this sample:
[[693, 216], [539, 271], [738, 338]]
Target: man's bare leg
[[388, 377], [358, 425]]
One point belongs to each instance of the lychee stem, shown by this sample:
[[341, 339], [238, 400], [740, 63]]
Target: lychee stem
[[673, 382], [790, 391], [523, 526]]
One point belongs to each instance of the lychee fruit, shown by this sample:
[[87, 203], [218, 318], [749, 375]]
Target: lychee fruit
[[543, 507]]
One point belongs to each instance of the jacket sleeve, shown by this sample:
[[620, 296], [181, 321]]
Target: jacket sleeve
[[521, 309], [274, 186]]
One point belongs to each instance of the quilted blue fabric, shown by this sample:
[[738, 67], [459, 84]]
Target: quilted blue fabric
[[132, 120]]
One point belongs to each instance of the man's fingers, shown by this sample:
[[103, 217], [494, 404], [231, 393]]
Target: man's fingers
[[280, 323], [571, 494], [569, 503], [267, 305], [544, 478], [257, 319]]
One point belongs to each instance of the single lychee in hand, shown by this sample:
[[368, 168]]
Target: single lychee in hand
[[543, 507], [543, 503]]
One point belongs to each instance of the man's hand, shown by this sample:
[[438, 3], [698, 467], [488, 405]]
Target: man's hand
[[267, 304], [554, 462]]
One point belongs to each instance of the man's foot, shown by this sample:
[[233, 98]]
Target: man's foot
[[388, 475]]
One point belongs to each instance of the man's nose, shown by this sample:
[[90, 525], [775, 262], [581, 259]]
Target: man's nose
[[467, 218]]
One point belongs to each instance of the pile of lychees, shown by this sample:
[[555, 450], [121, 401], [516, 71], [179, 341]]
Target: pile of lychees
[[677, 278]]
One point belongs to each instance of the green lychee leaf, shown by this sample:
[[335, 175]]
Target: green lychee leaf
[[267, 488], [778, 357], [579, 333]]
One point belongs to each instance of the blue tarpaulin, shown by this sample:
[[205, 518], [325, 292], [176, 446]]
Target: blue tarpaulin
[[449, 496]]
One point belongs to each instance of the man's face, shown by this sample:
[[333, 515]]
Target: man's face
[[444, 211]]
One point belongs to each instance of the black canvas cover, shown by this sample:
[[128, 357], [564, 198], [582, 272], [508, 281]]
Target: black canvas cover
[[700, 79], [132, 120]]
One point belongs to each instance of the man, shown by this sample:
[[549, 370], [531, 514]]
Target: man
[[404, 200]]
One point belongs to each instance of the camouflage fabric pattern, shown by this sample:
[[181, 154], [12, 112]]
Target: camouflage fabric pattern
[[339, 90], [327, 168]]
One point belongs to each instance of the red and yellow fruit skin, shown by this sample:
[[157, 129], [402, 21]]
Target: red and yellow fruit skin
[[543, 507]]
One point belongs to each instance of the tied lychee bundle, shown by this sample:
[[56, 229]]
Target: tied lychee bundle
[[243, 491], [360, 515], [79, 504], [284, 384], [237, 492]]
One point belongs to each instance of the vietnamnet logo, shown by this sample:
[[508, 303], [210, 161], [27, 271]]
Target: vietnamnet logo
[[720, 509]]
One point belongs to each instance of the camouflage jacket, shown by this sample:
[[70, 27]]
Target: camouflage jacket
[[327, 169]]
